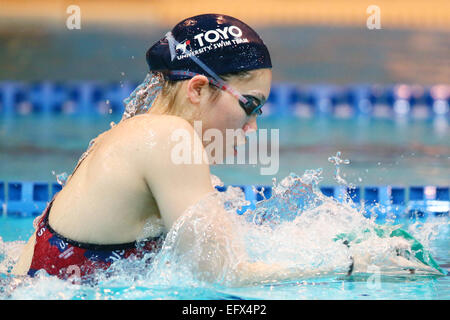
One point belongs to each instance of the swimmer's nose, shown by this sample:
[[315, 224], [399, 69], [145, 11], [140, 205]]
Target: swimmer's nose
[[250, 125]]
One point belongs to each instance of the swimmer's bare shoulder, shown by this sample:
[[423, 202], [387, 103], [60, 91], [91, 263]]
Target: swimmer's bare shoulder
[[174, 185]]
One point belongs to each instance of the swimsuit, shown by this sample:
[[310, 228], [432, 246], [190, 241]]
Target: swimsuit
[[64, 257]]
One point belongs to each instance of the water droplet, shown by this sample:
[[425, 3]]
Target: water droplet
[[337, 161], [62, 178]]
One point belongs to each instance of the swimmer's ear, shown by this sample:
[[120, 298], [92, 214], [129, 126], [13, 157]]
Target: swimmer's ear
[[196, 87]]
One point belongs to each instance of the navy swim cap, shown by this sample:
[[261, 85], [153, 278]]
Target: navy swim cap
[[223, 43]]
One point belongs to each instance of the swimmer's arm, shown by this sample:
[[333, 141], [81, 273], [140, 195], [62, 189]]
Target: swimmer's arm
[[224, 249], [252, 273], [175, 186], [23, 264], [242, 270]]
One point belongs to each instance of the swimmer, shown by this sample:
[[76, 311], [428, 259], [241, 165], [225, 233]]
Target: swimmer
[[210, 68]]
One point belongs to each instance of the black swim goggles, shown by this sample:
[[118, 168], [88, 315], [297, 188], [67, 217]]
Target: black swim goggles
[[251, 104]]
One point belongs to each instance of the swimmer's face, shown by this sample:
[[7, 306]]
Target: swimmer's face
[[224, 112]]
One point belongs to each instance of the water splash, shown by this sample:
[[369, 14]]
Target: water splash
[[337, 161], [427, 232], [62, 178], [290, 197], [142, 98], [297, 227], [9, 254]]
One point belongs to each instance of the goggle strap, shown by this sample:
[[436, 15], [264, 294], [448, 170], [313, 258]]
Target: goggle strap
[[172, 47], [218, 83]]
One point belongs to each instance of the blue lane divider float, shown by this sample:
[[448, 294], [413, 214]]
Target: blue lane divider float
[[285, 99], [29, 199], [48, 98], [26, 199], [435, 200]]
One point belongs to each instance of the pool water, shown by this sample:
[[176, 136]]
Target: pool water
[[356, 287], [381, 151], [296, 226]]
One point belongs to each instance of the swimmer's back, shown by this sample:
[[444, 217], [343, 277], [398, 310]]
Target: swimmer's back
[[107, 199], [126, 181]]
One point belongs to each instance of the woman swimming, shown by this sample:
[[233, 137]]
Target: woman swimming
[[127, 192], [210, 68]]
